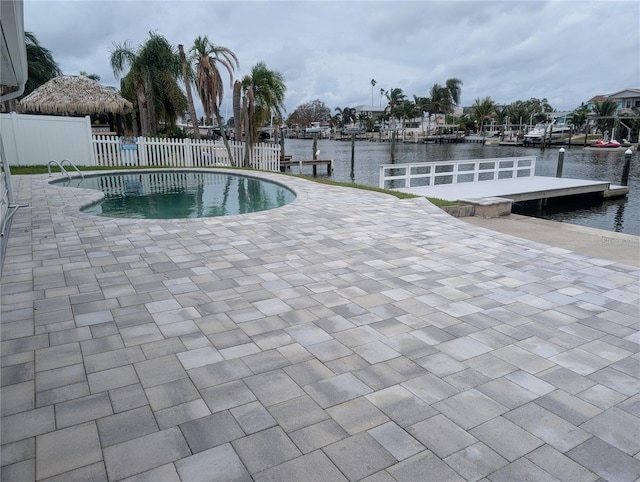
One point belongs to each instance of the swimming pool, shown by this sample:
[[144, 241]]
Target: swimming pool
[[180, 194]]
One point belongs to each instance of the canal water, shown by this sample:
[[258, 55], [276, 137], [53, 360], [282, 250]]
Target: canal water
[[619, 215]]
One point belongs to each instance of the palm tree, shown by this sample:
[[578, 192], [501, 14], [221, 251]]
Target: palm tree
[[264, 90], [407, 110], [454, 89], [209, 82], [439, 99], [373, 84], [483, 110], [518, 111], [187, 79], [347, 115], [335, 121], [40, 64], [40, 68], [382, 93], [394, 97], [237, 110], [445, 98], [579, 119], [151, 82], [362, 119], [423, 104], [95, 77], [604, 112]]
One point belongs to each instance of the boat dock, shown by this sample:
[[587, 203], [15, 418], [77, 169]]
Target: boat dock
[[287, 163], [519, 189], [511, 179]]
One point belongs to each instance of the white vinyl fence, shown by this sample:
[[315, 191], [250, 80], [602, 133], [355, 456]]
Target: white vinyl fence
[[31, 140], [116, 151]]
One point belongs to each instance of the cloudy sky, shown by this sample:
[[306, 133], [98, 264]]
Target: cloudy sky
[[565, 51]]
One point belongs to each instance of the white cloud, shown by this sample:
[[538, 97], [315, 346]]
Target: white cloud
[[562, 50]]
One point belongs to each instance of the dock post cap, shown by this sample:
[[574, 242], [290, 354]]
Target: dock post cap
[[561, 149], [628, 152]]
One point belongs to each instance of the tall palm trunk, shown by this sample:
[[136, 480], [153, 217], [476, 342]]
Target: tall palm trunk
[[247, 142], [237, 110], [216, 111], [187, 86], [145, 121]]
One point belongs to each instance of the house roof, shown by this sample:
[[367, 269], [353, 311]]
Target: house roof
[[623, 94], [369, 108], [13, 50], [598, 98], [74, 94]]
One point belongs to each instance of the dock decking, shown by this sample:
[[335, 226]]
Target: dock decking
[[519, 189]]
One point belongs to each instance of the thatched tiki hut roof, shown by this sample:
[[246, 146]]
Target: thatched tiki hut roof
[[71, 94]]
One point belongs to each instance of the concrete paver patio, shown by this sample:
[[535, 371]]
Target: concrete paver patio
[[346, 336]]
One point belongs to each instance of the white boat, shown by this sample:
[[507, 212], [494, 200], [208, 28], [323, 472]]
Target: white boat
[[541, 131], [315, 128]]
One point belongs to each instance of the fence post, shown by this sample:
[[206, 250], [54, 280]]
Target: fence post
[[142, 154], [14, 125], [91, 154], [188, 152]]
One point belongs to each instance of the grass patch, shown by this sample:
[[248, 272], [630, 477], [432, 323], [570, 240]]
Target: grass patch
[[26, 170], [400, 195], [441, 202]]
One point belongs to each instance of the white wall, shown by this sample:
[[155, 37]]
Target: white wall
[[38, 139]]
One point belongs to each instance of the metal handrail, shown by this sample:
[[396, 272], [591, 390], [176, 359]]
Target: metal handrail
[[62, 169], [72, 165]]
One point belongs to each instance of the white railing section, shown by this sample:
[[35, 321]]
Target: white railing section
[[454, 172], [114, 151]]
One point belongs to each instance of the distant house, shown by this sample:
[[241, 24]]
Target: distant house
[[371, 111], [626, 100], [594, 99]]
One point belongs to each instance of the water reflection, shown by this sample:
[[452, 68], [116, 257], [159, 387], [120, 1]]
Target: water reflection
[[181, 194]]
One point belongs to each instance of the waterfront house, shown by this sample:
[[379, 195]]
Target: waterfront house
[[626, 100], [372, 111]]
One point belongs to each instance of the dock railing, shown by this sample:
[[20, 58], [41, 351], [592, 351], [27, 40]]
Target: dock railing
[[393, 176]]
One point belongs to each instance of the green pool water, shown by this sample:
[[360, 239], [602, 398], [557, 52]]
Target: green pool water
[[181, 194]]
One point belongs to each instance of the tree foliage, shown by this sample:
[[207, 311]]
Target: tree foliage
[[264, 90], [305, 114], [151, 82], [580, 116], [346, 115], [41, 67], [207, 56], [444, 99], [604, 112], [209, 82], [395, 97], [482, 111]]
